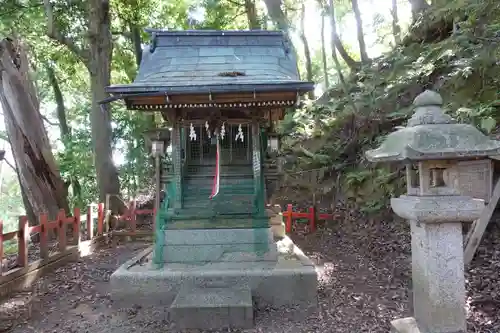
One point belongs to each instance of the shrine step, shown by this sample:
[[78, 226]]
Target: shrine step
[[195, 222], [213, 308], [224, 180], [195, 254], [235, 187], [225, 169], [226, 203], [221, 236]]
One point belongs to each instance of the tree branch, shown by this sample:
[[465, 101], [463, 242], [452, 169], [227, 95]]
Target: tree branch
[[10, 164], [48, 121], [17, 8], [54, 33], [123, 33], [236, 3]]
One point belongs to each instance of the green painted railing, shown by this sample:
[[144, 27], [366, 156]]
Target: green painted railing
[[259, 198], [160, 224]]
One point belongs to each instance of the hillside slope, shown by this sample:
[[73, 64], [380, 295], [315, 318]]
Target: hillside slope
[[454, 50]]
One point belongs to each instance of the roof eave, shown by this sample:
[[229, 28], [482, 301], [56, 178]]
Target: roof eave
[[299, 86]]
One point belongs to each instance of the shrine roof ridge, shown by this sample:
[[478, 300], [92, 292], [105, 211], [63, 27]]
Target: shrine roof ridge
[[254, 32]]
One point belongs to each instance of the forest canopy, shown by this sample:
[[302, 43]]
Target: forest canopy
[[368, 62]]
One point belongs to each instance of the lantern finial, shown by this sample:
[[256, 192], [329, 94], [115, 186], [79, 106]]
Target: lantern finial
[[428, 110], [428, 98]]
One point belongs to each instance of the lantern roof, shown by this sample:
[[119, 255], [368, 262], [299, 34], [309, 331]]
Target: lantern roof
[[433, 135], [158, 134]]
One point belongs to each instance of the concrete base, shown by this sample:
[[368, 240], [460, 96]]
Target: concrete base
[[289, 281]]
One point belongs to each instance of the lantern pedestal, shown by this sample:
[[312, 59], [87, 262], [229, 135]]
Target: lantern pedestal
[[437, 261]]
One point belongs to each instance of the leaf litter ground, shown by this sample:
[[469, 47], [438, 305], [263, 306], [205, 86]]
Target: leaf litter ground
[[364, 273]]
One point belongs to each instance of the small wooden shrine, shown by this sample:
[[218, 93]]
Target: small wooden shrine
[[215, 255], [221, 93]]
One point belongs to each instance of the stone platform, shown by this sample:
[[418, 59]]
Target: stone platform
[[220, 289]]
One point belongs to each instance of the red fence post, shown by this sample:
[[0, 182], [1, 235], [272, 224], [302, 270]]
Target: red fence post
[[288, 225], [1, 247], [90, 222], [61, 226], [22, 242], [312, 219], [44, 236], [100, 219], [76, 226]]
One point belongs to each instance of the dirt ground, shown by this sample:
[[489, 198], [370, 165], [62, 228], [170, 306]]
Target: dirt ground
[[364, 281]]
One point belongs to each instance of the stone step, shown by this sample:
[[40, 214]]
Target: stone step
[[208, 214], [244, 168], [224, 180], [223, 236], [219, 223], [195, 199], [192, 190], [226, 209], [237, 188], [223, 172], [213, 308], [220, 253]]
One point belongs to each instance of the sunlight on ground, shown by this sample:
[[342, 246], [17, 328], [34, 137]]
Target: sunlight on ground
[[85, 248], [325, 272]]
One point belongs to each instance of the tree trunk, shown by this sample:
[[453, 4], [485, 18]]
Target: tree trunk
[[252, 17], [135, 36], [97, 59], [323, 51], [361, 36], [338, 67], [275, 11], [40, 181], [99, 66], [418, 7], [61, 109], [337, 43], [136, 40], [307, 51], [396, 29], [63, 123]]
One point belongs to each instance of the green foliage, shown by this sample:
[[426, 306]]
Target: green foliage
[[27, 20], [459, 63]]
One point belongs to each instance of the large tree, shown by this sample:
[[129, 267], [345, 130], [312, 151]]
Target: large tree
[[42, 187], [94, 50]]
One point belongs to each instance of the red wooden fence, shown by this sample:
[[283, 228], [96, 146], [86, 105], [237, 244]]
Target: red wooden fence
[[25, 231], [311, 215]]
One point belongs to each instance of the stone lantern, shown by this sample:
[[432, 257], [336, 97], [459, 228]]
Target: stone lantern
[[157, 140], [273, 142], [431, 146], [157, 148]]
